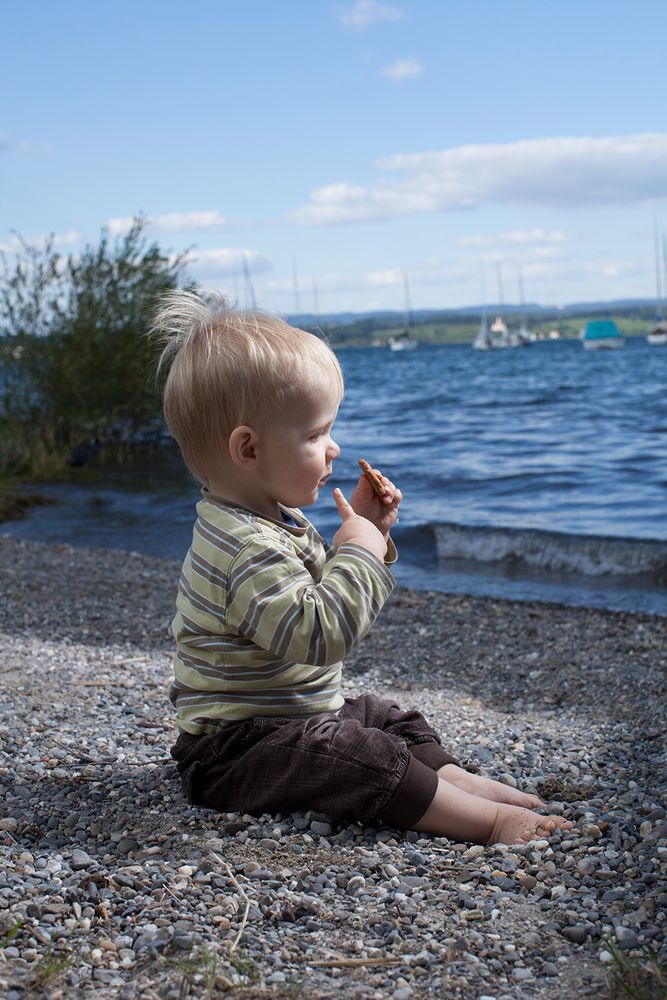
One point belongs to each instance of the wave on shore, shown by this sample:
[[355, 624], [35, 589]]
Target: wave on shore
[[549, 551]]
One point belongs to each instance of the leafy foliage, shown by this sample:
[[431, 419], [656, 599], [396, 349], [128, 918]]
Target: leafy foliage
[[75, 361]]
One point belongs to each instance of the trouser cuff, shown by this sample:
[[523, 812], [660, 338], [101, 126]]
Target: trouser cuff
[[412, 797], [432, 754]]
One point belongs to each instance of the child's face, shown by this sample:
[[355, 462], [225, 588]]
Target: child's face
[[297, 451]]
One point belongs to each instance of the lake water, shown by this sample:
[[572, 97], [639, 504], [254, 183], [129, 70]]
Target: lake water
[[536, 473]]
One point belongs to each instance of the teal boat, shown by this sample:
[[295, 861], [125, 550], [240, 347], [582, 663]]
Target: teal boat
[[600, 334]]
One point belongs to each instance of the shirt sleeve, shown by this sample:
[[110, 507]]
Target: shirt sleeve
[[274, 601]]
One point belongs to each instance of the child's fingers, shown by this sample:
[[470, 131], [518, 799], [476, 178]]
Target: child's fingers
[[344, 509], [389, 488], [392, 493]]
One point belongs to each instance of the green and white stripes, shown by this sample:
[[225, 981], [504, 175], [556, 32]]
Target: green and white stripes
[[266, 612]]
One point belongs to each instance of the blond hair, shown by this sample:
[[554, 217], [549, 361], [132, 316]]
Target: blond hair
[[228, 367]]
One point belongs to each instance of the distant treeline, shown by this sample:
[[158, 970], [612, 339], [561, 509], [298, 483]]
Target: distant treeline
[[450, 327]]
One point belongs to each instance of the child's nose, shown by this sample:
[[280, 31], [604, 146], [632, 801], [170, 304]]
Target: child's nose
[[333, 449]]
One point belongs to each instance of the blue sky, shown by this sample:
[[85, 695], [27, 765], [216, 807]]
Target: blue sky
[[348, 142]]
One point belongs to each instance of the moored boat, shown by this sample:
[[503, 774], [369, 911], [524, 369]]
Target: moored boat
[[601, 334], [657, 335], [497, 337], [403, 342]]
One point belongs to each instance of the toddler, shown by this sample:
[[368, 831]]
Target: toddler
[[267, 611]]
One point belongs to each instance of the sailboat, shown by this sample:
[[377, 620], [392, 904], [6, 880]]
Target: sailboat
[[525, 335], [497, 336], [405, 341], [482, 341], [657, 335]]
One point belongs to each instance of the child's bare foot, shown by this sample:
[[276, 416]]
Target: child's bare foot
[[487, 788], [457, 814], [515, 825]]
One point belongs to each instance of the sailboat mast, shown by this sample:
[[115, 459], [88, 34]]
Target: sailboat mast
[[408, 304], [522, 299], [658, 253], [499, 273], [483, 325], [250, 291], [664, 270], [297, 294]]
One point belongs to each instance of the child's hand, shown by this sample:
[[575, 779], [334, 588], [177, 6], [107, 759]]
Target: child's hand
[[380, 511], [358, 529]]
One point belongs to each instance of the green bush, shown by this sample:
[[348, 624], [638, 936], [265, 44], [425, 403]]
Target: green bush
[[75, 361]]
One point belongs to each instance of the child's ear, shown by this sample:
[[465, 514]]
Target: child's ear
[[242, 447]]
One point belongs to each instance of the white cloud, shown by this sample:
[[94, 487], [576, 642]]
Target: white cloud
[[557, 172], [403, 69], [430, 272], [337, 282], [176, 222], [363, 13], [513, 237], [7, 144], [118, 226], [438, 283], [64, 240], [228, 261], [340, 203], [381, 279], [70, 239]]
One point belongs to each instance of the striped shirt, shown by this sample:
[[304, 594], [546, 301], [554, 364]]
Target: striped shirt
[[266, 612]]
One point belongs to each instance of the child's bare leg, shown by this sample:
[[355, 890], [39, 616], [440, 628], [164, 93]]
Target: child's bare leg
[[457, 814], [487, 788]]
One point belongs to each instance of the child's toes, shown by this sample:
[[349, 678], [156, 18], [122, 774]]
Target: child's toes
[[547, 823]]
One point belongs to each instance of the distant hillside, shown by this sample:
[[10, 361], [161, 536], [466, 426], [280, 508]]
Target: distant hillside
[[433, 326], [396, 317]]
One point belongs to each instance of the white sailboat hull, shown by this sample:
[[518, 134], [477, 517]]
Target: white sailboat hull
[[403, 345], [498, 342]]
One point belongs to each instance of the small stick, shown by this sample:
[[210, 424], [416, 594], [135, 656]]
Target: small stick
[[84, 758], [239, 888], [349, 963]]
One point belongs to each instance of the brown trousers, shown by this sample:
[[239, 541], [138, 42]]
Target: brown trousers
[[369, 760]]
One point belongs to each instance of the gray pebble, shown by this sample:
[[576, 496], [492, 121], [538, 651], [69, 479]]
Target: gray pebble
[[321, 828], [578, 933], [80, 859], [626, 938]]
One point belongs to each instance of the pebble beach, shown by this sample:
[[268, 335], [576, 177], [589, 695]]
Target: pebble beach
[[112, 885]]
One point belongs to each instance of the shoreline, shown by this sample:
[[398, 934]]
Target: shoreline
[[111, 871], [533, 565], [15, 503]]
